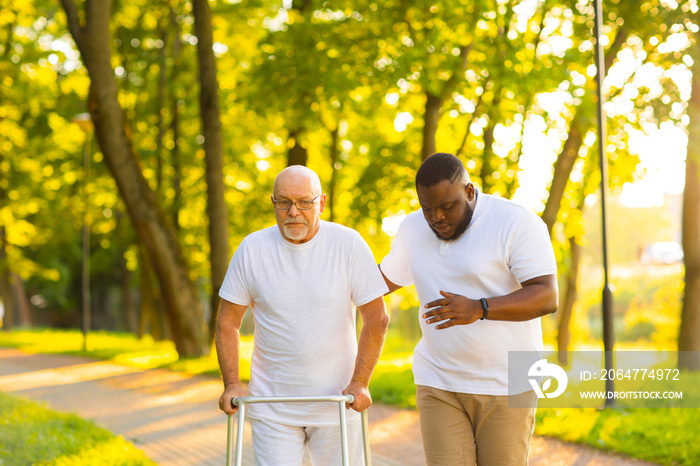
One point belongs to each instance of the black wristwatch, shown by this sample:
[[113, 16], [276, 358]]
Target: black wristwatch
[[485, 306]]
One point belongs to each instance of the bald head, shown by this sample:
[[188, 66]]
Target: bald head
[[298, 175], [293, 185]]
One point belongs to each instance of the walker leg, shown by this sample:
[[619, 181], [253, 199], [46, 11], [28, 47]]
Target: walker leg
[[365, 438], [229, 443], [344, 434], [239, 434]]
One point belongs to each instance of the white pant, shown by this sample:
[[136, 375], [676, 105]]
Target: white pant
[[282, 445]]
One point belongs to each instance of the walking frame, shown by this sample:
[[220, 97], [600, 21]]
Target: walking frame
[[241, 402]]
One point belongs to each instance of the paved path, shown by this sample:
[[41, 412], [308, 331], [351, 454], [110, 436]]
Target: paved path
[[175, 419]]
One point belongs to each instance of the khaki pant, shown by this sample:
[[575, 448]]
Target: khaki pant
[[464, 429]]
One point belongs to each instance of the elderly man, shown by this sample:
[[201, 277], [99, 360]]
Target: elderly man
[[302, 280], [485, 272]]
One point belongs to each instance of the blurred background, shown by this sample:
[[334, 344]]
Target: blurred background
[[139, 142]]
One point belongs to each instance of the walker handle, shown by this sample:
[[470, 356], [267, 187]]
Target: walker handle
[[236, 401]]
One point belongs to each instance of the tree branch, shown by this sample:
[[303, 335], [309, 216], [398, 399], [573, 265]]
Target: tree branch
[[10, 36], [73, 21], [612, 51], [451, 84], [472, 118]]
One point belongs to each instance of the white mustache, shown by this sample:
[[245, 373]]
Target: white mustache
[[296, 220]]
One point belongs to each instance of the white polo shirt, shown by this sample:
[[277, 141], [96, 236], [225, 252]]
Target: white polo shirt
[[504, 245]]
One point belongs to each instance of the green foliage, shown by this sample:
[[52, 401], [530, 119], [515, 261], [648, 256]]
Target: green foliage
[[647, 226], [392, 384], [392, 380], [646, 305], [359, 68], [31, 434]]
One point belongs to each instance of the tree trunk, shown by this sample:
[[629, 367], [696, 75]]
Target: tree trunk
[[151, 305], [6, 294], [160, 105], [154, 232], [689, 338], [433, 104], [211, 122], [567, 306], [175, 124], [297, 154], [131, 316], [23, 317], [431, 119], [562, 171], [177, 173], [8, 301], [129, 313], [488, 157], [334, 171]]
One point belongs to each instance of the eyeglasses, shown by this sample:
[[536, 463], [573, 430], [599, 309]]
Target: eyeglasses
[[286, 204]]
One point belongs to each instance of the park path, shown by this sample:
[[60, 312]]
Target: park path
[[175, 418]]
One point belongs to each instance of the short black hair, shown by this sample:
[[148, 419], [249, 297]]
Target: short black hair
[[440, 167]]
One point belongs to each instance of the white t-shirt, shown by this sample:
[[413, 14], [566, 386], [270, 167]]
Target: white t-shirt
[[303, 299], [504, 245]]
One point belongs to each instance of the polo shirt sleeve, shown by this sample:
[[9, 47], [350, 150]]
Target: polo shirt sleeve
[[530, 253], [367, 282], [235, 287], [395, 265]]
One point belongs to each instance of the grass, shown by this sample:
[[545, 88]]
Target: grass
[[30, 434], [392, 381], [666, 436], [121, 348]]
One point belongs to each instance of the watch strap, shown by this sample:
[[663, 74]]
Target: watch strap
[[485, 307]]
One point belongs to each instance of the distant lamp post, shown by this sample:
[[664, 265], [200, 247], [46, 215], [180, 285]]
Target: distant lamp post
[[608, 337], [84, 121]]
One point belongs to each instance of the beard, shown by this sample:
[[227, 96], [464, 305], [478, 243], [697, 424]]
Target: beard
[[461, 226], [295, 233]]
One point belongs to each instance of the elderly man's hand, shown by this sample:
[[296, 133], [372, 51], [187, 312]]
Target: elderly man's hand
[[230, 392], [360, 391]]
